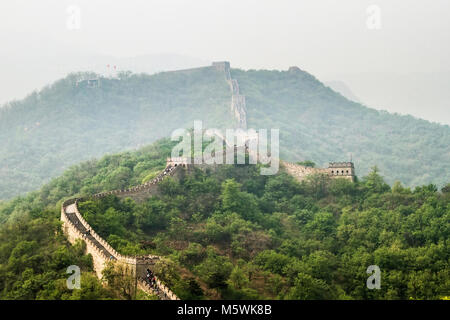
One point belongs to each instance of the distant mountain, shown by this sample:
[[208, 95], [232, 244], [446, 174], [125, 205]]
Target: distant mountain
[[404, 93], [63, 124], [342, 88], [318, 124]]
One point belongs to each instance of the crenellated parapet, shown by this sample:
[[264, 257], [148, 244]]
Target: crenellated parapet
[[75, 227], [335, 170], [143, 191], [342, 170], [301, 172], [75, 230]]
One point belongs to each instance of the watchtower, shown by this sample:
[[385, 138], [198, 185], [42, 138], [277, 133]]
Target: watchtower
[[178, 161], [223, 66], [342, 170]]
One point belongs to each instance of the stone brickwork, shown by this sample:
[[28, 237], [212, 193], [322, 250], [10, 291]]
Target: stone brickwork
[[301, 172], [344, 170], [76, 227]]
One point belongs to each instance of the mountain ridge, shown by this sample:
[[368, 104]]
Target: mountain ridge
[[136, 109]]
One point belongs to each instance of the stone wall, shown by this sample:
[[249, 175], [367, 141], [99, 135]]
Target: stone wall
[[342, 170], [143, 191], [301, 172], [73, 233], [335, 170], [76, 227], [238, 108]]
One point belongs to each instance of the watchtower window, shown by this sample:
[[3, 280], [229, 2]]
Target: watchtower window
[[332, 171]]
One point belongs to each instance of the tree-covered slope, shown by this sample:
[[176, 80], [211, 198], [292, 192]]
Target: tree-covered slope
[[233, 233], [319, 124], [63, 124], [34, 253]]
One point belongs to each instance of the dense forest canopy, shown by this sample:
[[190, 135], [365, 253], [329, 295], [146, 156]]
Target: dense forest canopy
[[232, 233], [318, 124], [34, 254], [63, 124]]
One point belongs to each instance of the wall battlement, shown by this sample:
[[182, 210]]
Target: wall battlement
[[143, 191], [344, 170], [75, 227], [341, 165]]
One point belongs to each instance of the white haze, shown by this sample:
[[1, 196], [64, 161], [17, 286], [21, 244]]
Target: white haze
[[402, 67]]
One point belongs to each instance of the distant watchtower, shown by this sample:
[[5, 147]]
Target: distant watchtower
[[342, 170], [223, 66]]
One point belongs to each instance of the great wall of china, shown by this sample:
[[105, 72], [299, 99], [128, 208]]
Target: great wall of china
[[344, 170], [75, 227], [238, 107]]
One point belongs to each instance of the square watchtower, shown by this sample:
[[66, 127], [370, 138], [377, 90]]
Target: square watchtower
[[342, 170], [223, 66]]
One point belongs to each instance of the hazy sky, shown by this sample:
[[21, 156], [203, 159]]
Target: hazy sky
[[324, 37]]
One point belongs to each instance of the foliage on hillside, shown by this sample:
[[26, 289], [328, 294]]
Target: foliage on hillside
[[234, 234], [318, 124], [34, 255], [63, 124]]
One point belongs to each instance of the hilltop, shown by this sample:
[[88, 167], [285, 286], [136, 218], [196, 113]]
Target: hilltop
[[63, 124]]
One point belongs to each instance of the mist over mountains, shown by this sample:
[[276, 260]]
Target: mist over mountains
[[22, 74], [425, 95]]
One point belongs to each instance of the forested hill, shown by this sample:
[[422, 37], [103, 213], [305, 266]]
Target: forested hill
[[319, 124], [64, 124], [232, 233]]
